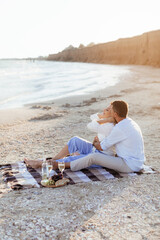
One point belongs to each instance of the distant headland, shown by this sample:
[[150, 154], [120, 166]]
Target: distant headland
[[139, 50]]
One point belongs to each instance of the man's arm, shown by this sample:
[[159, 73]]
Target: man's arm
[[113, 138]]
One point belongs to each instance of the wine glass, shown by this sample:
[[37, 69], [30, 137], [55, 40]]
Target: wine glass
[[61, 167]]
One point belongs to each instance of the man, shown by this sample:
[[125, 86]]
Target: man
[[127, 138]]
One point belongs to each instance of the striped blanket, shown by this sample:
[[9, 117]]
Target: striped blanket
[[20, 176]]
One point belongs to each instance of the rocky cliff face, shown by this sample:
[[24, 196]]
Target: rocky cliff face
[[139, 50]]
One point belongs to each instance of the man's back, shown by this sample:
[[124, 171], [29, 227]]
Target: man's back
[[128, 141]]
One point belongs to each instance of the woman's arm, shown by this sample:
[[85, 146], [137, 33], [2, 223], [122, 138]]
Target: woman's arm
[[94, 116], [106, 120], [103, 129]]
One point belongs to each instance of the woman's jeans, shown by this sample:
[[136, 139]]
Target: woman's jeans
[[89, 157]]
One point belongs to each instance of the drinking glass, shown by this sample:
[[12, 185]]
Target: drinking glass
[[61, 167]]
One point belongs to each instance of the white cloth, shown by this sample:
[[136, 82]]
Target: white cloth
[[128, 141], [102, 130]]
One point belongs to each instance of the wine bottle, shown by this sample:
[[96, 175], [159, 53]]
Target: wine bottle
[[44, 170]]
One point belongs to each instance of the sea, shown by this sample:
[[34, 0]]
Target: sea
[[30, 81]]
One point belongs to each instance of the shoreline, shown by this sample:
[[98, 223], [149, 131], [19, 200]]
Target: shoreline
[[85, 79], [12, 115]]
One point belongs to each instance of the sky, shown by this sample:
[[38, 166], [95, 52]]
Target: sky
[[32, 28]]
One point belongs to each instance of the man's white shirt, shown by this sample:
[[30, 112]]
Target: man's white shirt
[[127, 138]]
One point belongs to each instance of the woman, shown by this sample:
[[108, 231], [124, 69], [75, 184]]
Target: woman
[[77, 147]]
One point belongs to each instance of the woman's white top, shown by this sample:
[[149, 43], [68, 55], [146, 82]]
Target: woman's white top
[[102, 130]]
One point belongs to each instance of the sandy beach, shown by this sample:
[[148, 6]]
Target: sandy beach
[[126, 208]]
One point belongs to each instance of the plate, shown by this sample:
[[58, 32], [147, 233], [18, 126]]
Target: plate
[[54, 186]]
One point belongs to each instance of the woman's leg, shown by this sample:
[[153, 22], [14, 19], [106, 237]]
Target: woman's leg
[[80, 145], [33, 163], [38, 163], [63, 153], [75, 144], [70, 158]]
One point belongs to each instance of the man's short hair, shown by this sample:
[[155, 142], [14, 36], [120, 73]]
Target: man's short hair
[[121, 108]]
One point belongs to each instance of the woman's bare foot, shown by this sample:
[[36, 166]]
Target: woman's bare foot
[[33, 163]]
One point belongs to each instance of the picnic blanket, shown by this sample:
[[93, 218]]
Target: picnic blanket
[[20, 176]]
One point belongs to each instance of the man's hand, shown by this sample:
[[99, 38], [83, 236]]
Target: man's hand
[[96, 144]]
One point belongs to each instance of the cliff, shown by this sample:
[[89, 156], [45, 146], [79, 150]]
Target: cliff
[[138, 50]]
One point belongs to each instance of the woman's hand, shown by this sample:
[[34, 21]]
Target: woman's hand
[[100, 115]]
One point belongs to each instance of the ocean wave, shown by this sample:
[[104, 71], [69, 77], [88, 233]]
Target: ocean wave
[[29, 82]]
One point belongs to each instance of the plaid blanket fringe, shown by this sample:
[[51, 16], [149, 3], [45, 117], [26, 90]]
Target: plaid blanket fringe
[[20, 176]]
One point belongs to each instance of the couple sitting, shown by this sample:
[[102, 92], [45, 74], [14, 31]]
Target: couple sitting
[[114, 129]]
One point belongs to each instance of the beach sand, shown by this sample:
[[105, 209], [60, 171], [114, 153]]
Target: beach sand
[[126, 208]]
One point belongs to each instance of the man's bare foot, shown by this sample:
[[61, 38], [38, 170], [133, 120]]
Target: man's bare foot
[[33, 163]]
